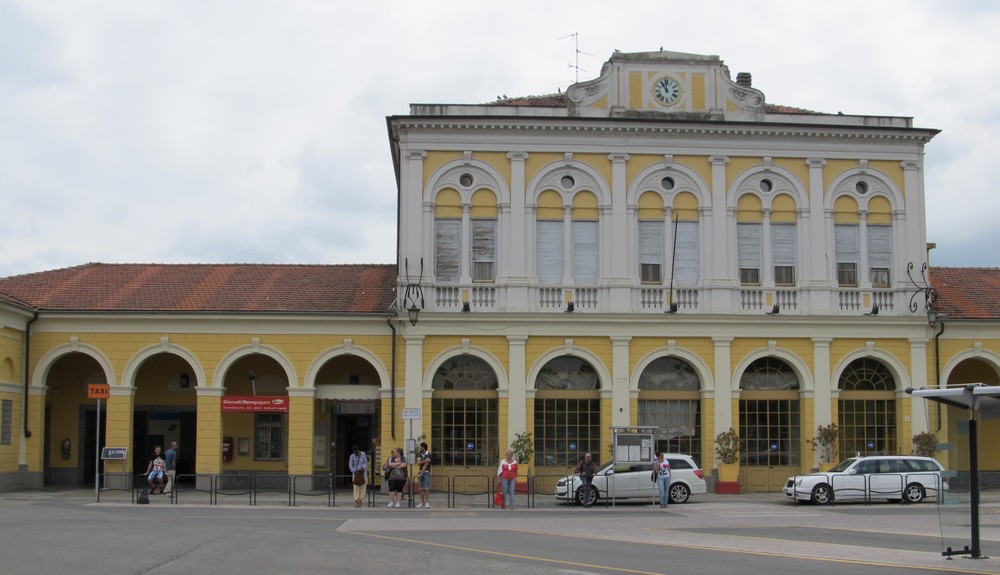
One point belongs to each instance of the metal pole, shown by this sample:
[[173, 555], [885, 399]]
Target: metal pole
[[97, 452], [974, 485]]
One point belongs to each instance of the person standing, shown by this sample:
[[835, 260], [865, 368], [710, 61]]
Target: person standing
[[586, 470], [155, 470], [508, 479], [170, 463], [662, 468], [358, 464], [424, 476], [396, 466]]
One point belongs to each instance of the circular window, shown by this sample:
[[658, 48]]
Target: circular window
[[667, 183], [861, 187], [465, 180], [567, 182], [766, 185]]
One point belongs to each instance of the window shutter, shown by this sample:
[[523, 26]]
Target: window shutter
[[446, 249], [651, 242], [783, 244], [549, 252], [686, 269], [484, 249], [748, 245], [585, 252], [880, 246], [846, 240]]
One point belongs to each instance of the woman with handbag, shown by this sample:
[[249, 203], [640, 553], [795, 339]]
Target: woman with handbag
[[358, 464], [395, 469], [661, 467], [507, 472]]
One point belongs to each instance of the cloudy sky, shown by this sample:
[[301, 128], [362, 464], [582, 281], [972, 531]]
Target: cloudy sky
[[188, 131]]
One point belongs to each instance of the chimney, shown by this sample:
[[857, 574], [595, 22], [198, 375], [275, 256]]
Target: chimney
[[743, 79]]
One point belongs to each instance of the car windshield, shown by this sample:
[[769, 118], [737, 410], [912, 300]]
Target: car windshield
[[843, 465]]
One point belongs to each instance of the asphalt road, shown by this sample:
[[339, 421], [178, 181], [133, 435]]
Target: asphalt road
[[49, 532]]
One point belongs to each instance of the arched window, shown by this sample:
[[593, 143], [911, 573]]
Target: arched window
[[770, 426], [867, 409], [464, 414], [567, 412], [669, 399]]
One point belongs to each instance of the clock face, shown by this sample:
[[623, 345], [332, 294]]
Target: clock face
[[667, 90]]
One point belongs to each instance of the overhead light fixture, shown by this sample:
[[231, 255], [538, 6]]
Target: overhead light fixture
[[570, 307], [673, 308], [413, 312], [935, 317], [775, 310], [874, 310], [185, 380], [465, 306]]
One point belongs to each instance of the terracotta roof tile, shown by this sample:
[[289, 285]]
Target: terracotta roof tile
[[967, 293], [367, 288], [544, 101]]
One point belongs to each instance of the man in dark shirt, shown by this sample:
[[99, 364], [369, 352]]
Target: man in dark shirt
[[586, 470]]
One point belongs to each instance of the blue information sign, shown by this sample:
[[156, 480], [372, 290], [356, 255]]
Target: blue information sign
[[114, 453]]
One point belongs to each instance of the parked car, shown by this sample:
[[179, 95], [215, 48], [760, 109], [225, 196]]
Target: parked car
[[632, 481], [894, 477]]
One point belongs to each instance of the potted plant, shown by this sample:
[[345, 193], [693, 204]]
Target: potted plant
[[825, 442], [925, 444], [727, 448]]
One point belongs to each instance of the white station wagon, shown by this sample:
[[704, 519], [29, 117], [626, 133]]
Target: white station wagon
[[893, 477], [632, 481]]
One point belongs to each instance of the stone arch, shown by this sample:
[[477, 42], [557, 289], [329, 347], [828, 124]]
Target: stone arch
[[133, 365], [45, 362], [603, 375], [800, 367], [895, 367], [341, 350], [255, 348], [844, 184], [988, 357], [782, 182], [483, 176], [692, 359], [503, 383], [585, 176], [686, 180]]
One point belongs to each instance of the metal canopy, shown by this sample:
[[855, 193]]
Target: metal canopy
[[983, 402], [984, 399]]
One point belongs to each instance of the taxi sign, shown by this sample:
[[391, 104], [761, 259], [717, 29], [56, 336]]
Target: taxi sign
[[114, 453], [98, 391]]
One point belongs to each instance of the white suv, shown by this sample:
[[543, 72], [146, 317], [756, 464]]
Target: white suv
[[631, 481], [893, 477]]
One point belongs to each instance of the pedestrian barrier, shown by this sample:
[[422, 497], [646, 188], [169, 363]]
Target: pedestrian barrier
[[202, 484], [234, 485], [317, 485]]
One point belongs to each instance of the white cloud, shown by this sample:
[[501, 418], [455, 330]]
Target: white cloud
[[187, 131]]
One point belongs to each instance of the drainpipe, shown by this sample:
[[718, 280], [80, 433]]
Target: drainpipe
[[27, 380], [392, 379], [937, 367]]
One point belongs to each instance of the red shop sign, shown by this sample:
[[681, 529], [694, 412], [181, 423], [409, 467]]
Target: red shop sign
[[258, 403]]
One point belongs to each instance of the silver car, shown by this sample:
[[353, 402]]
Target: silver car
[[633, 481], [894, 477]]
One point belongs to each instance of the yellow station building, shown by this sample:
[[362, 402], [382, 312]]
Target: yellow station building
[[658, 246]]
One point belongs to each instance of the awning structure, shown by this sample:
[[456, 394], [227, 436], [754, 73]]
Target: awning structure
[[982, 402]]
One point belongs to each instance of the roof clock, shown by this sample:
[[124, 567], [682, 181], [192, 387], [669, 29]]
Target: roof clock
[[667, 91]]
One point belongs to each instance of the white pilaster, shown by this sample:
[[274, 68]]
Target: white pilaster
[[517, 417], [620, 412]]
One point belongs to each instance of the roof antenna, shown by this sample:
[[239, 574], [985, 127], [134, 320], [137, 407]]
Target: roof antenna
[[576, 42]]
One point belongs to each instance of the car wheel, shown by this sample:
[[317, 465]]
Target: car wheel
[[822, 494], [586, 496], [914, 493], [679, 493]]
